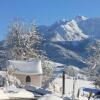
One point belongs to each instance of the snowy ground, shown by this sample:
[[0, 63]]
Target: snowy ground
[[56, 86], [12, 92]]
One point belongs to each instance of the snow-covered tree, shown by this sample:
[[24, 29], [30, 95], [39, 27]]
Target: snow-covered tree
[[72, 71], [14, 39], [97, 82], [23, 40], [32, 41]]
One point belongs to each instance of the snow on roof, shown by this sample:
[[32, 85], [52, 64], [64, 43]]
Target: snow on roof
[[33, 66], [93, 90]]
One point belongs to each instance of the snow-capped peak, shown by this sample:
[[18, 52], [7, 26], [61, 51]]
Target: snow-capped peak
[[80, 18], [72, 26], [70, 31], [64, 30]]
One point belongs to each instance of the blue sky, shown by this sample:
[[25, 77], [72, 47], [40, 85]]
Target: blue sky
[[45, 11]]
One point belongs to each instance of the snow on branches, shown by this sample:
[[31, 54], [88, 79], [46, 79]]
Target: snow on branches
[[23, 40]]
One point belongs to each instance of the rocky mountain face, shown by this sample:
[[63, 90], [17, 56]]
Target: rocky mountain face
[[63, 31], [70, 42], [73, 42]]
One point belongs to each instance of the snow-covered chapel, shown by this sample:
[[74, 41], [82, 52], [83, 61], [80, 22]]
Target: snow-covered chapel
[[28, 72]]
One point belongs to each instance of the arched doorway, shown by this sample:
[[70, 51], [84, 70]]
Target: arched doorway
[[28, 79]]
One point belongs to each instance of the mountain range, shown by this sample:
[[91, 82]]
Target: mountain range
[[72, 42], [69, 42]]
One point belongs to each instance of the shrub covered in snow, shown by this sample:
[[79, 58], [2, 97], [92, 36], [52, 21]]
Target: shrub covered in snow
[[2, 81]]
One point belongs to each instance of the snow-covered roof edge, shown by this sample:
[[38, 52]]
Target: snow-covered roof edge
[[33, 66]]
